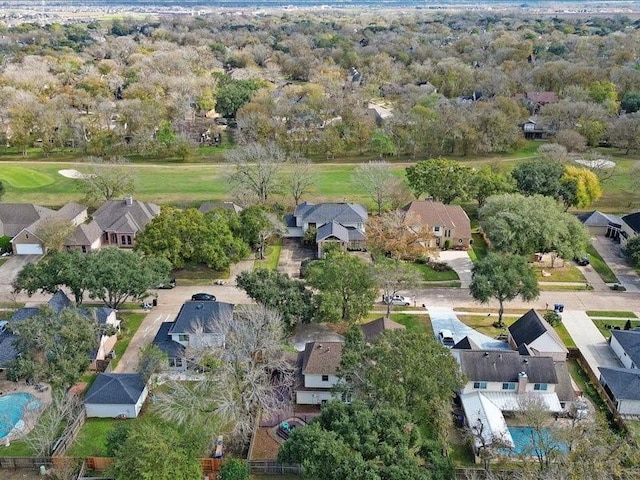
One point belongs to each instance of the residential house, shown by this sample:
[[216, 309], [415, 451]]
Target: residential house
[[534, 101], [8, 350], [317, 372], [116, 395], [195, 327], [536, 128], [623, 387], [334, 223], [377, 327], [629, 227], [531, 334], [86, 237], [380, 111], [626, 345], [121, 220], [449, 224], [15, 218], [599, 223]]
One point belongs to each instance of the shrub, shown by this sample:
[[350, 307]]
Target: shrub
[[552, 317], [5, 244], [440, 266]]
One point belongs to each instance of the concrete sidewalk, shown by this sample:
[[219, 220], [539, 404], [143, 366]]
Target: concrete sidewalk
[[589, 340]]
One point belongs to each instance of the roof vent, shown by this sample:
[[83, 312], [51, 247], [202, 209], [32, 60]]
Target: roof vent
[[199, 306], [486, 354], [319, 345]]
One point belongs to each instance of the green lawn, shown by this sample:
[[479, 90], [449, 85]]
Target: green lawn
[[614, 323], [568, 273], [91, 440], [26, 178], [634, 428], [130, 324], [584, 384], [479, 249], [600, 266], [564, 288], [561, 330], [611, 313], [414, 323], [484, 323], [18, 448], [198, 274], [431, 275], [272, 256]]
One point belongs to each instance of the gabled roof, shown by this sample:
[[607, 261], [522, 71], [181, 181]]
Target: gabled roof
[[208, 206], [14, 217], [599, 219], [163, 341], [624, 383], [100, 314], [201, 317], [343, 213], [334, 229], [542, 97], [437, 214], [85, 234], [530, 327], [466, 344], [633, 221], [71, 210], [115, 389], [629, 340], [129, 216], [485, 419], [59, 301], [564, 388], [504, 366], [321, 358], [377, 327]]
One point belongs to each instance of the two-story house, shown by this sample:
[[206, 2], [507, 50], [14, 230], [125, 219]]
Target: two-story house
[[623, 384], [194, 328], [334, 223], [317, 372], [449, 224]]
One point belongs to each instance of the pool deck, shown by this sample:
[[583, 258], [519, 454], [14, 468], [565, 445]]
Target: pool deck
[[7, 388]]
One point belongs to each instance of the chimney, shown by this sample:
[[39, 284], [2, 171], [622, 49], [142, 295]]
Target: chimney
[[523, 380], [128, 200]]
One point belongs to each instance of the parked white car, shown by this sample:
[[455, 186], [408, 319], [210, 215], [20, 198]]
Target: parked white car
[[397, 300], [446, 338]]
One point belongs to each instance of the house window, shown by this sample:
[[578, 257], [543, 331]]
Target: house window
[[175, 362], [325, 378], [183, 337], [508, 386], [447, 233], [114, 238], [540, 387], [480, 385], [128, 239], [84, 249], [436, 229], [459, 240]]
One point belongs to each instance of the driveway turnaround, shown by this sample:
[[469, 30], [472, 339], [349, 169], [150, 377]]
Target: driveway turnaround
[[444, 318], [589, 340], [611, 253], [460, 262]]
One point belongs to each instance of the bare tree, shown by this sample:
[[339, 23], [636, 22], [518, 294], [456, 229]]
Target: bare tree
[[400, 235], [250, 376], [49, 424], [300, 179], [256, 169], [394, 275], [543, 444], [487, 445], [106, 179], [553, 152], [377, 179], [54, 231]]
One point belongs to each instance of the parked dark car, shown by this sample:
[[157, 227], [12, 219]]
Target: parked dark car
[[203, 297], [582, 261]]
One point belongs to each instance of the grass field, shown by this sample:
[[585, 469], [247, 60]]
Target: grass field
[[430, 275], [600, 266], [414, 323], [272, 256], [91, 440], [568, 273], [611, 313], [131, 323], [601, 324], [479, 249]]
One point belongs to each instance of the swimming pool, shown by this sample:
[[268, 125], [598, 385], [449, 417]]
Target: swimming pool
[[525, 441], [12, 408]]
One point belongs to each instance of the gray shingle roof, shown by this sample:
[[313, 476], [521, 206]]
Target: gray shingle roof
[[624, 383], [119, 216], [321, 358], [599, 219], [85, 234], [115, 389], [195, 317], [163, 341], [531, 326], [7, 348], [332, 229], [377, 327], [100, 314], [629, 340], [466, 344], [14, 217], [208, 206], [71, 210], [58, 302], [633, 220], [504, 366], [331, 212]]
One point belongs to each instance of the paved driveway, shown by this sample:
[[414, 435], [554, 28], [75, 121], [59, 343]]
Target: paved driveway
[[444, 318], [9, 270], [291, 256], [460, 262], [611, 252]]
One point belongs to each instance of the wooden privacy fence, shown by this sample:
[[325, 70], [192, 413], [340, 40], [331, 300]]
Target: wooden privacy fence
[[267, 467], [25, 462], [68, 437]]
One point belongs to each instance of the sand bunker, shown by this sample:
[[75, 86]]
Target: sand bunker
[[598, 163], [71, 173]]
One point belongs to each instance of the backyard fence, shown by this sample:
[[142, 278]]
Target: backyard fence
[[25, 462], [69, 435], [266, 467]]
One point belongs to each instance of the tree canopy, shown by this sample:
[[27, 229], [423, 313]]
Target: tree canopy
[[541, 177], [503, 277], [440, 178]]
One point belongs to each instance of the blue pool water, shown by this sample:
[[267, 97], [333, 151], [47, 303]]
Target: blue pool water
[[525, 441], [12, 408]]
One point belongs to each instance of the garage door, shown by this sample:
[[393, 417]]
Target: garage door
[[28, 249]]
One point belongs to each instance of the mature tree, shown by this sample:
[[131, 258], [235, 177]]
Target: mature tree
[[70, 269], [444, 180], [117, 275], [587, 185], [233, 94], [345, 284], [157, 450], [285, 295], [503, 277], [256, 169], [189, 236], [382, 144], [553, 152], [152, 360], [400, 235], [300, 178], [632, 250], [53, 346], [106, 179], [394, 275], [234, 469], [349, 442], [487, 181], [541, 442], [538, 177], [527, 225], [54, 231], [630, 102], [251, 376], [396, 371], [48, 425], [624, 132], [378, 181], [570, 139], [257, 226]]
